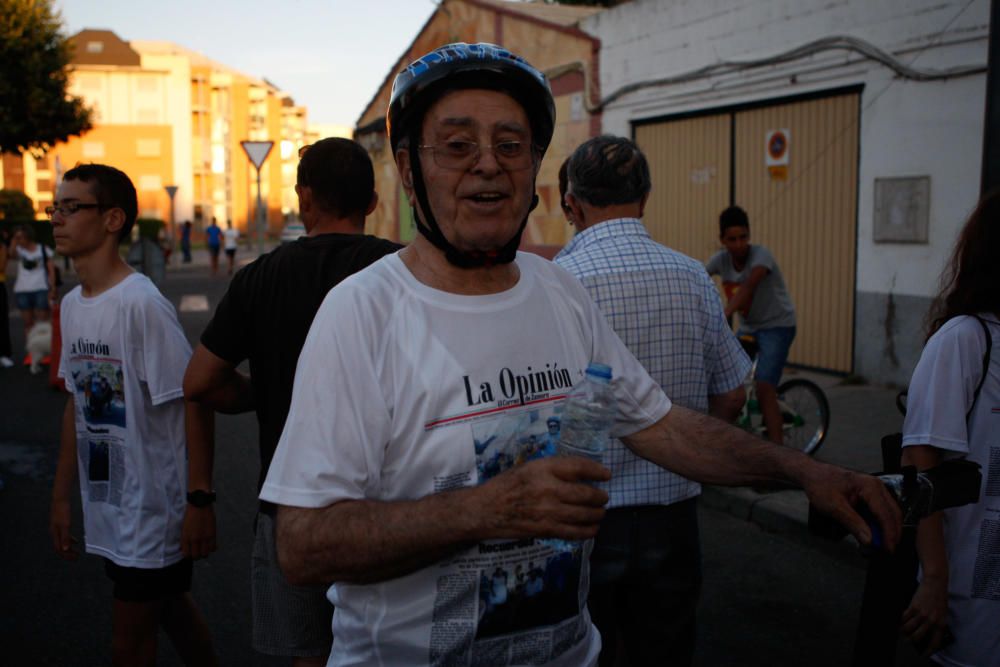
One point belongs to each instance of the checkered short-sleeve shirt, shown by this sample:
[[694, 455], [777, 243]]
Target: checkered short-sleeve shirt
[[666, 309]]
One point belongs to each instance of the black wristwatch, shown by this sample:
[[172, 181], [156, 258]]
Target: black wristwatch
[[200, 498]]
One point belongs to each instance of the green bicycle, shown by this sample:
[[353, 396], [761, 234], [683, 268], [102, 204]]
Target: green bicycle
[[805, 411]]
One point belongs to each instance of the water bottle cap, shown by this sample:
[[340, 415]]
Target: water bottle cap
[[600, 371]]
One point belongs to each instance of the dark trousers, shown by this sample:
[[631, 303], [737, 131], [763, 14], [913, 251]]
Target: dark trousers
[[645, 579], [5, 345]]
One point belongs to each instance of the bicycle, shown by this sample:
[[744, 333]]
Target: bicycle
[[805, 412]]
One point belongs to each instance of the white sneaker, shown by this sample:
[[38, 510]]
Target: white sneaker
[[6, 362]]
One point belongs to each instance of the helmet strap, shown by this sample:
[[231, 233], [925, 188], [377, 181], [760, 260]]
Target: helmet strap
[[463, 259]]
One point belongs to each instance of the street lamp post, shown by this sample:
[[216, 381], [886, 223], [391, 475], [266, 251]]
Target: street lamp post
[[171, 191], [257, 152]]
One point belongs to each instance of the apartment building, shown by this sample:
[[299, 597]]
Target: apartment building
[[169, 116]]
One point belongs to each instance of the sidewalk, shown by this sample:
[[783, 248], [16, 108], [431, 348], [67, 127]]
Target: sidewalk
[[859, 416]]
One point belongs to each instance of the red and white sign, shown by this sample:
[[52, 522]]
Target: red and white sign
[[776, 149], [776, 143]]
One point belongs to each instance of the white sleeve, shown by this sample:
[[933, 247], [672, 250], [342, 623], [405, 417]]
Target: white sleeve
[[160, 351], [339, 422], [943, 385]]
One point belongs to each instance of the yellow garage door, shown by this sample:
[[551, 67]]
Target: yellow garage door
[[689, 164], [807, 215], [793, 167]]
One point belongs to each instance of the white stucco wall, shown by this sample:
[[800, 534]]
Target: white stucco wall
[[908, 128]]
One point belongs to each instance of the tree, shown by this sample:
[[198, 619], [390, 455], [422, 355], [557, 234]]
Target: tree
[[35, 111], [15, 205]]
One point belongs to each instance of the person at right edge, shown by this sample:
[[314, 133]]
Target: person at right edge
[[264, 317], [953, 410], [646, 564], [403, 474], [756, 290]]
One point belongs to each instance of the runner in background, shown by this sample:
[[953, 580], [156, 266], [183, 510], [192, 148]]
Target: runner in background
[[231, 236], [212, 240]]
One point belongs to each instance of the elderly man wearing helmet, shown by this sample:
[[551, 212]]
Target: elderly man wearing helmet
[[421, 372]]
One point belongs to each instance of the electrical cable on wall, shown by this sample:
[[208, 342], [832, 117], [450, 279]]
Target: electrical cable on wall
[[837, 42]]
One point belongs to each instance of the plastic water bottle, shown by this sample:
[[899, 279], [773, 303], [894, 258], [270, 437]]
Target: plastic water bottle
[[586, 423], [588, 415]]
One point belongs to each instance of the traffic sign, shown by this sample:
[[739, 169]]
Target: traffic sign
[[257, 151]]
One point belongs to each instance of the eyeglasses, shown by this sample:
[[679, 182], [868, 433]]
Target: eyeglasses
[[460, 155], [68, 209]]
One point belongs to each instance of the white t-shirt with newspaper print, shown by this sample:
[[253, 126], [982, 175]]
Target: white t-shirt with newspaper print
[[123, 360], [402, 391], [939, 397]]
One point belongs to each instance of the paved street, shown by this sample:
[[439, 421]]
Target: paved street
[[771, 598]]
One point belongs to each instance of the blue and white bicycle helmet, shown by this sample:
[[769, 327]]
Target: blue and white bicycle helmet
[[462, 66]]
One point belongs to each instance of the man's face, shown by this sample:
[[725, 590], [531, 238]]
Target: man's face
[[83, 231], [481, 206], [737, 241]]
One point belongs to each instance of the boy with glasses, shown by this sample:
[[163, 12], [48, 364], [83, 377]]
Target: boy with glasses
[[124, 428]]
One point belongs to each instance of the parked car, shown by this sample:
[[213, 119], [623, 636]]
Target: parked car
[[292, 231]]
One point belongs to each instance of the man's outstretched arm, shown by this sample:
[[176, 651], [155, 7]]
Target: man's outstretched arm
[[364, 541], [709, 451], [212, 381]]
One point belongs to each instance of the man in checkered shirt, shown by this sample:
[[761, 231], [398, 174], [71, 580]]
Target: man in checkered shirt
[[646, 563]]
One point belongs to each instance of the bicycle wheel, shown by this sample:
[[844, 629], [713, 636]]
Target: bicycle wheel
[[806, 414]]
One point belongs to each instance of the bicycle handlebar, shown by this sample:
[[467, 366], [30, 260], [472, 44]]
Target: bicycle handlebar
[[919, 494]]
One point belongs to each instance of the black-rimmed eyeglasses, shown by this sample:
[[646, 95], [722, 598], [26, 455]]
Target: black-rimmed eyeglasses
[[68, 209], [460, 155]]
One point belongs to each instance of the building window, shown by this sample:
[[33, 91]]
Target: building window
[[148, 116], [147, 148], [91, 81], [93, 149], [95, 47], [148, 182]]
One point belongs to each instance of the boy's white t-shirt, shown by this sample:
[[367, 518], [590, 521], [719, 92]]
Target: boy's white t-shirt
[[402, 391], [939, 397], [230, 237], [123, 360]]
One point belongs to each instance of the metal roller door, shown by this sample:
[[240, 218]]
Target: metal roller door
[[805, 210]]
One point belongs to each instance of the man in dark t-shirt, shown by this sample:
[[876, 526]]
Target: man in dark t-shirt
[[264, 318]]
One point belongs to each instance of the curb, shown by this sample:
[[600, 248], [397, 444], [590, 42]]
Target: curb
[[784, 513]]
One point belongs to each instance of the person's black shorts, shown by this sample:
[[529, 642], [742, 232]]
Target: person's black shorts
[[135, 584], [230, 252], [213, 250]]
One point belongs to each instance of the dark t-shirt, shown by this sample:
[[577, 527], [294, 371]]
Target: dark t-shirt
[[266, 313]]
